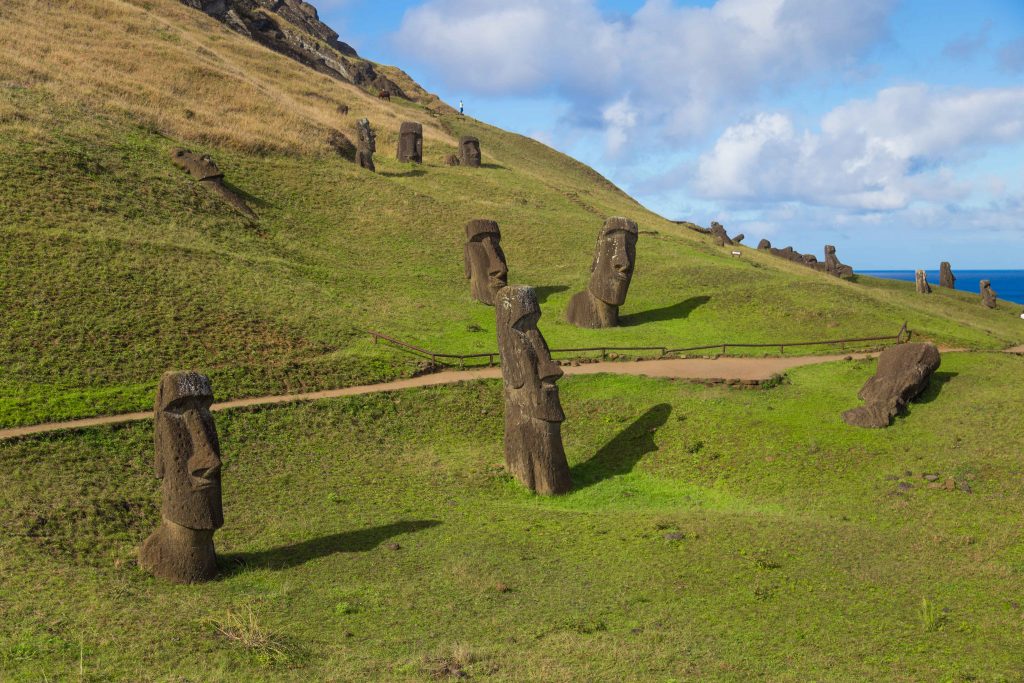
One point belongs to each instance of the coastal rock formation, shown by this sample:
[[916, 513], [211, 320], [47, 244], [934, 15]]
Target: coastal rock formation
[[188, 463], [366, 144], [410, 142], [534, 454], [946, 277], [610, 274], [486, 268], [469, 151], [921, 282], [988, 297], [203, 169], [904, 371]]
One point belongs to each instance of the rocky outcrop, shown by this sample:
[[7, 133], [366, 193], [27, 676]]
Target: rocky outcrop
[[293, 28]]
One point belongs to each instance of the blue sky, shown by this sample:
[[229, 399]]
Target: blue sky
[[893, 129]]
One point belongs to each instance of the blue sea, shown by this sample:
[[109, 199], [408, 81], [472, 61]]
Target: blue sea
[[1008, 284]]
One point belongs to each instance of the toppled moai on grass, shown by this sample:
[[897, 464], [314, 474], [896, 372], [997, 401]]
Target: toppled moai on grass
[[921, 282], [988, 296], [469, 152], [946, 277], [410, 142], [486, 268], [366, 144], [610, 274], [187, 460], [764, 245], [719, 235], [904, 371], [833, 265], [534, 454], [203, 169], [830, 265]]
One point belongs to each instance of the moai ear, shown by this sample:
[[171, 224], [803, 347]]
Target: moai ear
[[158, 461]]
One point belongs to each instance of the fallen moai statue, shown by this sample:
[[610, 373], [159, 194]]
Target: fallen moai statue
[[203, 169], [831, 264], [187, 460], [719, 235], [946, 277], [366, 144], [904, 371], [921, 282], [610, 274], [534, 454], [988, 297], [764, 245], [486, 268]]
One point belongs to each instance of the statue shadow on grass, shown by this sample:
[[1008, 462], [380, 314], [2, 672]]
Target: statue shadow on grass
[[544, 292], [283, 557], [939, 380], [674, 312], [411, 173], [620, 455]]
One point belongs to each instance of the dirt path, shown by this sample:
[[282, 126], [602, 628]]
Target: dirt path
[[1016, 349], [749, 369]]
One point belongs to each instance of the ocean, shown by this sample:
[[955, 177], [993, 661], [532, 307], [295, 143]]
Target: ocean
[[1008, 284]]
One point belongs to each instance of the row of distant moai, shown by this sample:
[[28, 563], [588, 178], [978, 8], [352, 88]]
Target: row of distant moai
[[948, 280], [410, 146]]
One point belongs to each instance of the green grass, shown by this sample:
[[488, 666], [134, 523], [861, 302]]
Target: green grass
[[714, 534], [117, 267]]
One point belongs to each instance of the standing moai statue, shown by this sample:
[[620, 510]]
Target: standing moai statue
[[187, 459], [946, 277], [366, 144], [533, 414], [921, 282], [610, 274], [469, 152], [486, 268], [410, 142], [988, 297], [832, 264]]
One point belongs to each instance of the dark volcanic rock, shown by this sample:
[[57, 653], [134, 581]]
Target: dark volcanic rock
[[904, 371]]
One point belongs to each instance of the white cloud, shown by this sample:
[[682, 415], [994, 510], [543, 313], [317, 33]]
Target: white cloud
[[879, 154]]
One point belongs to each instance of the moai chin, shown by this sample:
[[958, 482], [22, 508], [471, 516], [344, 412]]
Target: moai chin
[[486, 268], [921, 282], [410, 142], [533, 414], [610, 275], [988, 297], [366, 144], [187, 460], [469, 152], [946, 277]]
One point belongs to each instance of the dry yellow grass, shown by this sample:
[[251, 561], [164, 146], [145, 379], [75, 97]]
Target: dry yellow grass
[[224, 90]]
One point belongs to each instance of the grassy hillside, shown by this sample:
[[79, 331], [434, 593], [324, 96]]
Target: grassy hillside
[[116, 266], [715, 535]]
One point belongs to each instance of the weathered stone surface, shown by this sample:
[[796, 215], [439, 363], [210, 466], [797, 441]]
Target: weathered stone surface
[[366, 144], [764, 245], [534, 454], [188, 462], [988, 297], [946, 277], [921, 282], [469, 152], [833, 266], [410, 142], [486, 268], [904, 371], [451, 160], [610, 274], [739, 238], [718, 233], [205, 170]]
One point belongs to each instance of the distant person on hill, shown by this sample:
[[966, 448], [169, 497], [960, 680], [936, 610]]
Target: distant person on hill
[[461, 109]]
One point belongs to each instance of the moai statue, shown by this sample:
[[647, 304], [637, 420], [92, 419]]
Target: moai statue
[[203, 169], [188, 462], [903, 372], [764, 245], [988, 297], [610, 275], [921, 282], [832, 264], [366, 144], [739, 238], [485, 261], [469, 152], [946, 277], [719, 235], [410, 142], [533, 414]]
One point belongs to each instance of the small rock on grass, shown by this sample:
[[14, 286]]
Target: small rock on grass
[[930, 477], [675, 536], [393, 546]]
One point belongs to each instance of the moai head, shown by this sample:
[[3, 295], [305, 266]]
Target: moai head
[[612, 269], [485, 261], [187, 451], [199, 167], [469, 152], [410, 142], [988, 297], [367, 138], [526, 365]]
